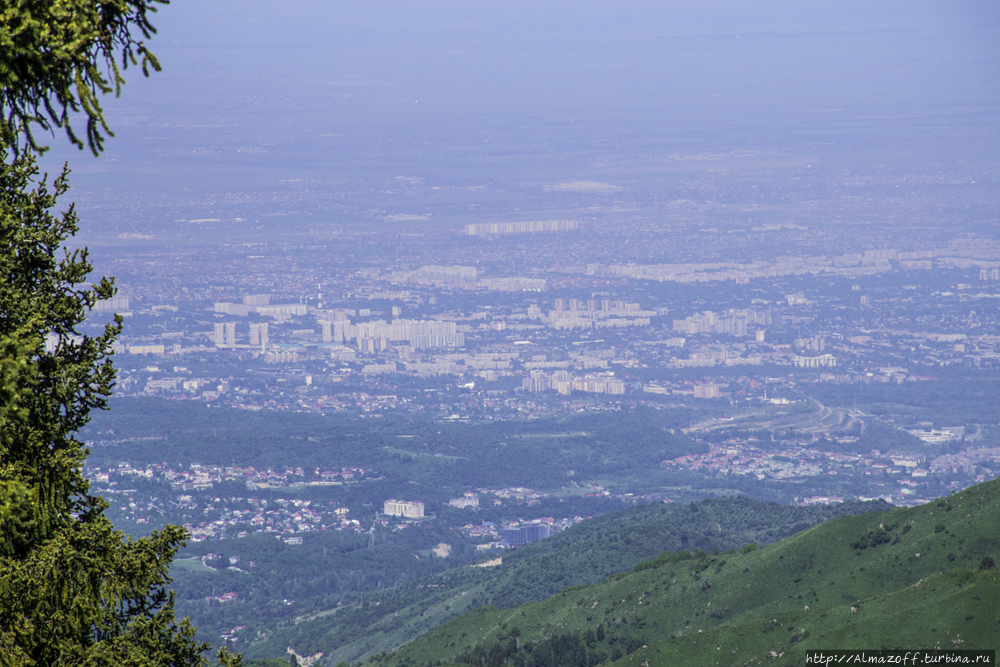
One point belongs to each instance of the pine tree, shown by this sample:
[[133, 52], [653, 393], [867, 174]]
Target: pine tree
[[58, 58], [73, 590]]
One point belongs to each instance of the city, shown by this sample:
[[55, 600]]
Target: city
[[410, 334]]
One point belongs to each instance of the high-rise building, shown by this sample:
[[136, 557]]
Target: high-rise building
[[116, 304], [706, 391], [814, 362], [258, 335], [220, 333], [493, 228], [327, 327], [257, 299], [516, 537], [238, 309], [816, 344], [340, 329], [423, 341], [283, 309], [230, 333], [372, 345]]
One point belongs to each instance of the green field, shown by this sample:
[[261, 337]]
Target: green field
[[190, 565]]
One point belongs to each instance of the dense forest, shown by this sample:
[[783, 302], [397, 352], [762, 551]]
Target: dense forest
[[441, 456]]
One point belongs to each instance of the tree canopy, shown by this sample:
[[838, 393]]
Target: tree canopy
[[73, 590], [59, 58]]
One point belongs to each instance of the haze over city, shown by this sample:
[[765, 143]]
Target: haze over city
[[409, 287]]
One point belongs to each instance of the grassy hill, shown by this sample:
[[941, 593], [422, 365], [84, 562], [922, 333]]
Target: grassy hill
[[921, 577], [584, 554]]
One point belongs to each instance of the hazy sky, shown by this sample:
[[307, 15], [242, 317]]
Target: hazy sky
[[255, 90]]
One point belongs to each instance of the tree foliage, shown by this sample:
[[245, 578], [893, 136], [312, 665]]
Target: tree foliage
[[73, 591], [59, 58], [55, 376]]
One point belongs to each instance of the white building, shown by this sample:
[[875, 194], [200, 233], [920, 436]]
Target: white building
[[815, 362], [116, 304], [707, 391], [258, 335], [413, 509], [468, 499]]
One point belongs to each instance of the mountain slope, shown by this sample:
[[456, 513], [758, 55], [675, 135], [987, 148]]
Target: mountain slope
[[921, 577], [584, 554]]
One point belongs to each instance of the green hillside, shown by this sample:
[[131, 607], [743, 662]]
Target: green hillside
[[921, 577], [583, 554]]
